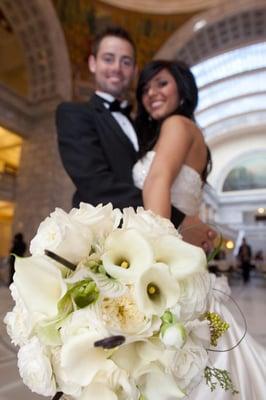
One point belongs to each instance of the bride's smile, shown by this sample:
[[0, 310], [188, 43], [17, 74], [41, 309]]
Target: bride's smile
[[160, 96]]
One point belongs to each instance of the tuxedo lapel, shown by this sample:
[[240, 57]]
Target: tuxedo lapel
[[109, 124]]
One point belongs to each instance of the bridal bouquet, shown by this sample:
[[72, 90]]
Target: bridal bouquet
[[110, 305]]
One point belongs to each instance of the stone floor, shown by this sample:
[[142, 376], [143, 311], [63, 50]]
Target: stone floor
[[251, 298]]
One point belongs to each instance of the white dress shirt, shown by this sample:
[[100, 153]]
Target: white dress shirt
[[122, 120]]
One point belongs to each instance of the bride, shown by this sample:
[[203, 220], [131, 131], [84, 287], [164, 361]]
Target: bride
[[173, 168]]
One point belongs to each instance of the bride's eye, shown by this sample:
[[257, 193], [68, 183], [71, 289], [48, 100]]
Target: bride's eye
[[162, 83], [145, 90]]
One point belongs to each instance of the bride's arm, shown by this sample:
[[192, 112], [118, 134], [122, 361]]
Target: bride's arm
[[173, 145]]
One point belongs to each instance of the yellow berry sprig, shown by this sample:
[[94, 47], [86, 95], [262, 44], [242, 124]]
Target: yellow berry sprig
[[217, 326]]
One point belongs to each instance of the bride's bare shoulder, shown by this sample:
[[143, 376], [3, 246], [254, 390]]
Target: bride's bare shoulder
[[178, 121]]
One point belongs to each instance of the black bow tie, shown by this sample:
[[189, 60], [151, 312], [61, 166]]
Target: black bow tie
[[116, 106]]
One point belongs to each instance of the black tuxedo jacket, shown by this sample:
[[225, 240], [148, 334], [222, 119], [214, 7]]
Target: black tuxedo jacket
[[98, 156]]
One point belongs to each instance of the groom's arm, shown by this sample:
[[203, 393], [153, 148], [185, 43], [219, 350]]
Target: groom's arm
[[85, 162]]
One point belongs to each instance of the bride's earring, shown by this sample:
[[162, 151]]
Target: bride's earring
[[149, 118]]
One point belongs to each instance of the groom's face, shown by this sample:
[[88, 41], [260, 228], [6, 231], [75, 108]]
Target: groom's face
[[113, 66]]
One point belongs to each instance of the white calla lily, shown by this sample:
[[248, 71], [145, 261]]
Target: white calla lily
[[183, 258], [154, 383], [156, 290], [40, 285], [81, 360], [112, 384], [64, 384], [127, 254], [129, 357]]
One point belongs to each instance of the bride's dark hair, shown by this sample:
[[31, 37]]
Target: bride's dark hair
[[148, 129]]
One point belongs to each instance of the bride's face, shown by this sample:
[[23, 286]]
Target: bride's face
[[160, 95]]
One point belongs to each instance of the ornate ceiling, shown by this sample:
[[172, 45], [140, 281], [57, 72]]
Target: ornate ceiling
[[81, 19], [165, 6]]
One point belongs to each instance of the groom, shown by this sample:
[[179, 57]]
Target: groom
[[97, 141]]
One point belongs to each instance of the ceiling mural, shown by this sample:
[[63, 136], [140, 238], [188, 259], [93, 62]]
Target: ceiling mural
[[81, 19]]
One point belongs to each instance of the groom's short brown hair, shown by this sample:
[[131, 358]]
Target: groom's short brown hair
[[116, 31]]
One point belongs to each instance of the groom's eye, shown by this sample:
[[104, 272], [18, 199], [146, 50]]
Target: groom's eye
[[108, 59]]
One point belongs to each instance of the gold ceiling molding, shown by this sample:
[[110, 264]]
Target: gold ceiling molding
[[165, 6]]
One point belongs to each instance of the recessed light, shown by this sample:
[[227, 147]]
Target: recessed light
[[199, 25], [229, 244]]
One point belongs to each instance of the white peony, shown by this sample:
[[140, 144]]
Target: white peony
[[35, 368], [63, 235], [194, 296], [156, 290], [148, 223], [102, 220], [123, 316], [127, 254]]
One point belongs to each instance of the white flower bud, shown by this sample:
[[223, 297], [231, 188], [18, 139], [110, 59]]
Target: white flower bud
[[175, 335]]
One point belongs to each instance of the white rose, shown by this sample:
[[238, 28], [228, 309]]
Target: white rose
[[102, 220], [19, 324], [80, 321], [19, 320], [63, 235], [194, 296], [148, 223], [35, 368], [188, 365]]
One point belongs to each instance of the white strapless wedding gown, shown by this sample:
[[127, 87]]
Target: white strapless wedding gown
[[247, 362], [186, 192]]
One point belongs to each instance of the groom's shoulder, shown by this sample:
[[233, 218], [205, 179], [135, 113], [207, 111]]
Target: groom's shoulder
[[72, 106]]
